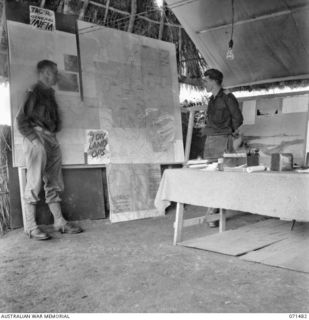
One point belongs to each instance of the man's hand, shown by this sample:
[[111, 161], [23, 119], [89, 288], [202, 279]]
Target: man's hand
[[235, 134], [202, 132], [36, 142]]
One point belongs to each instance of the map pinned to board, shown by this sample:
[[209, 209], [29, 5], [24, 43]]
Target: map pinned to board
[[135, 81]]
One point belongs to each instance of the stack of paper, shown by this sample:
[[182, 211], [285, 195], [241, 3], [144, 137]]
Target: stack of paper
[[197, 164]]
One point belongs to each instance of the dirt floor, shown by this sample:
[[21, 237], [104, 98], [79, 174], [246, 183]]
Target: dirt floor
[[133, 267]]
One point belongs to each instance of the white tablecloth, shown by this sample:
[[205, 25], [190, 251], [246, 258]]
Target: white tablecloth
[[277, 194]]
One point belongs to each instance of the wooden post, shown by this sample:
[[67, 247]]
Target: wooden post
[[179, 43], [189, 134], [83, 10], [2, 26], [222, 221], [95, 15], [106, 11], [42, 5], [132, 16], [178, 224], [22, 184]]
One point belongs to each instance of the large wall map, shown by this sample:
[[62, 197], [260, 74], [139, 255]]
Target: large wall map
[[134, 80]]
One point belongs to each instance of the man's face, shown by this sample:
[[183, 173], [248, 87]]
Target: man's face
[[209, 83], [51, 75]]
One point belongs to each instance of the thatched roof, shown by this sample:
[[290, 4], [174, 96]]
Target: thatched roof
[[142, 17]]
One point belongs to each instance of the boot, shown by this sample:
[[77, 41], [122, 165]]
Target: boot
[[38, 234], [60, 224], [31, 228]]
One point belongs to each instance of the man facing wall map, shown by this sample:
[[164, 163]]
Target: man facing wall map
[[38, 121]]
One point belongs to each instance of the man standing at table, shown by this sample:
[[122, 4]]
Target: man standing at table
[[38, 121], [223, 119]]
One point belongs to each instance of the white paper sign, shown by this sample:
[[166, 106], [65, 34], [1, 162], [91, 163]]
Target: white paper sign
[[249, 111], [41, 18], [295, 104], [97, 147]]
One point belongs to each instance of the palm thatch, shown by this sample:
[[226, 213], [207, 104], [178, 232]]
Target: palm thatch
[[291, 84], [142, 17], [5, 147]]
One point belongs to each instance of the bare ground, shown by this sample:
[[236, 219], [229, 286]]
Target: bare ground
[[133, 267]]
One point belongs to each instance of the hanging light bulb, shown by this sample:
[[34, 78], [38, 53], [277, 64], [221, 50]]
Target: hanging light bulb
[[230, 53], [159, 3]]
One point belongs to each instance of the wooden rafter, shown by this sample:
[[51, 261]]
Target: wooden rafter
[[108, 7]]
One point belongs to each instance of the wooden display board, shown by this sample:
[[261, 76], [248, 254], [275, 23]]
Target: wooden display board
[[119, 103]]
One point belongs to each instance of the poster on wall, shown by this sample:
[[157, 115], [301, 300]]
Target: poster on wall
[[97, 149], [42, 19], [132, 190], [135, 81]]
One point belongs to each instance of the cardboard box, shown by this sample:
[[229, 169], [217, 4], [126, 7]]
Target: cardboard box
[[281, 162], [234, 159], [253, 159]]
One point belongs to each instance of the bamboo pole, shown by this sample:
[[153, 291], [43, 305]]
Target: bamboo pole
[[132, 16], [158, 22], [2, 26], [106, 11], [179, 43], [60, 5], [161, 28], [66, 7], [189, 134], [83, 10], [95, 15], [108, 7]]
